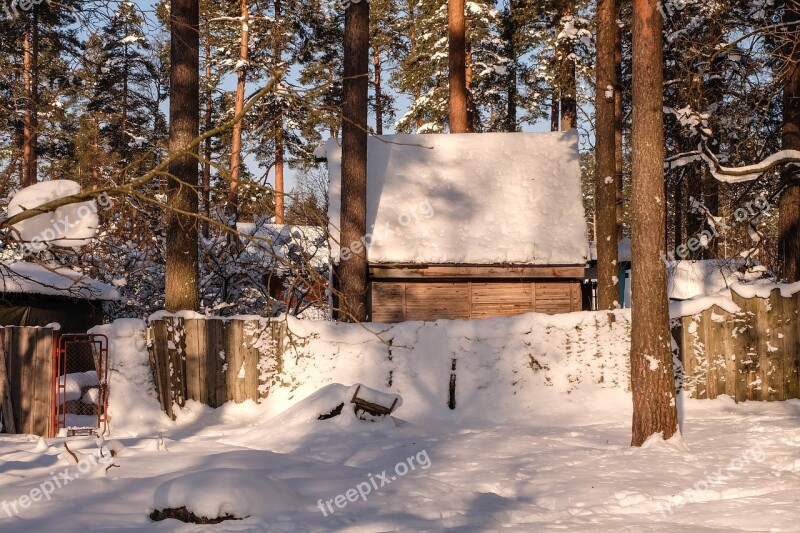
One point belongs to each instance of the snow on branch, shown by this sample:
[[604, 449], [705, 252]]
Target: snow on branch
[[748, 172]]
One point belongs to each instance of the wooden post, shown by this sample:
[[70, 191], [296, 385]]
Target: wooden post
[[5, 385]]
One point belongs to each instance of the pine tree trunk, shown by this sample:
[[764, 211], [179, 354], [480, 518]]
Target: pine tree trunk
[[471, 111], [618, 124], [569, 99], [208, 124], [184, 107], [123, 123], [652, 374], [555, 110], [30, 119], [236, 134], [605, 158], [280, 195], [376, 67], [511, 54], [678, 209], [459, 119], [789, 216], [412, 43], [353, 270], [695, 219]]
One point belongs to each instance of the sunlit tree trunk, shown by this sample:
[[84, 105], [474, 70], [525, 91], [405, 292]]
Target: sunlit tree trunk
[[605, 157], [280, 147], [568, 86], [207, 121], [376, 69], [789, 217], [30, 120], [652, 374], [459, 119], [184, 111], [355, 109], [236, 134]]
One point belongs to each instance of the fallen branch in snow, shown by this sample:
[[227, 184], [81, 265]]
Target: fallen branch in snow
[[71, 453]]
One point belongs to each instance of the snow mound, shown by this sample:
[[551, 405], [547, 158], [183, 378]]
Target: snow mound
[[74, 383], [132, 401], [224, 492], [331, 400], [69, 225]]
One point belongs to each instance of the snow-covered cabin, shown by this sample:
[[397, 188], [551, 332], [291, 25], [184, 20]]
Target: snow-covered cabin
[[35, 295], [469, 225]]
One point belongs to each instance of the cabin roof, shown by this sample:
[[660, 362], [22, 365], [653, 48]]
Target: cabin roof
[[489, 198], [31, 278]]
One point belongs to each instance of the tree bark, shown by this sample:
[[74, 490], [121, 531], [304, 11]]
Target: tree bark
[[569, 98], [511, 54], [618, 125], [605, 158], [236, 134], [208, 124], [695, 219], [652, 374], [678, 209], [184, 108], [376, 67], [459, 119], [555, 110], [280, 195], [353, 269], [30, 120], [789, 212]]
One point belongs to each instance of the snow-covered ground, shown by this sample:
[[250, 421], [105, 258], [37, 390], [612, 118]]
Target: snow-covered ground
[[558, 459]]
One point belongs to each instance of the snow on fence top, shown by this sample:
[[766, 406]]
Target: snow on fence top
[[489, 198], [31, 278]]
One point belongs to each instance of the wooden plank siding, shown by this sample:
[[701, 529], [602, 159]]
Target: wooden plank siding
[[397, 301], [487, 272]]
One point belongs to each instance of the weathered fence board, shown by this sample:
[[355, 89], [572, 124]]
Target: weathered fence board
[[27, 354], [216, 360], [753, 354]]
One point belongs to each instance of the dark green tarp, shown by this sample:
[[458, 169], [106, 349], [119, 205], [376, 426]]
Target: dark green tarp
[[74, 316]]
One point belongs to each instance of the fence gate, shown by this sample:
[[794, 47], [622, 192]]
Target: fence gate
[[80, 385]]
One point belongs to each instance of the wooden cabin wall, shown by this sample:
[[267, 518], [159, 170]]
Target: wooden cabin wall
[[398, 301]]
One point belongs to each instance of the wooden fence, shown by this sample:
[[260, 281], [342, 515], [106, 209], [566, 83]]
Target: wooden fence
[[26, 379], [215, 361], [750, 355]]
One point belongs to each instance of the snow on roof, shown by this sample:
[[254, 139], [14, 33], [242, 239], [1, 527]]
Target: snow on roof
[[31, 278], [489, 198]]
